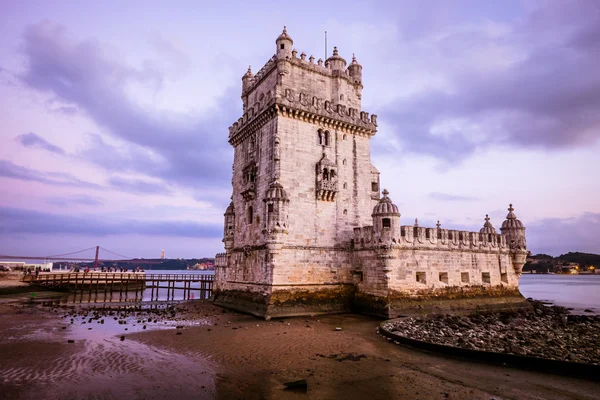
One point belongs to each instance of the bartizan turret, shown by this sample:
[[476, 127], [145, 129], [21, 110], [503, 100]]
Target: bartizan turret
[[276, 213], [514, 230], [284, 45], [386, 220], [229, 227], [247, 82]]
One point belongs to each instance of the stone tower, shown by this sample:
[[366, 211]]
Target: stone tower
[[302, 181], [307, 232]]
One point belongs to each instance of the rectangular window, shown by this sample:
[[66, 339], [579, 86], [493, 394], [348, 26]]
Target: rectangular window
[[485, 277], [504, 277], [444, 277], [270, 208], [422, 277], [387, 223], [427, 233], [464, 277], [375, 186]]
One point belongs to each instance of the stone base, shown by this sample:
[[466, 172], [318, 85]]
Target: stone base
[[289, 302], [455, 301]]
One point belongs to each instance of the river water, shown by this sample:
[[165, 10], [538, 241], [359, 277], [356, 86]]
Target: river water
[[579, 292]]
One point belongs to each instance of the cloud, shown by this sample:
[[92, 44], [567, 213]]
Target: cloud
[[450, 197], [65, 201], [17, 221], [189, 150], [138, 186], [33, 140], [534, 83], [557, 236], [11, 170]]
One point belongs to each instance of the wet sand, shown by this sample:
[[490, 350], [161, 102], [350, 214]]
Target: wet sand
[[204, 352]]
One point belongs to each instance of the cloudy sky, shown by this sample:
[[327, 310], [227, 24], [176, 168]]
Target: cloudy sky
[[114, 115]]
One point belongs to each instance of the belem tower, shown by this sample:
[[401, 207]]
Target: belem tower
[[308, 230]]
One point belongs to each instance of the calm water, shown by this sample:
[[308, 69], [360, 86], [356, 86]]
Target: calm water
[[574, 291]]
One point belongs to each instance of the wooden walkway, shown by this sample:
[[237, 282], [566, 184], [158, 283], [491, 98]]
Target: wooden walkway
[[111, 282]]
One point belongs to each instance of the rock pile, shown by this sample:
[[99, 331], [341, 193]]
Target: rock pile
[[546, 332]]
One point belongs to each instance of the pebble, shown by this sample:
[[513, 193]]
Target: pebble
[[546, 332]]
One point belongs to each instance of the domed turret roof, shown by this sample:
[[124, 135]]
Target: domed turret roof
[[488, 227], [230, 209], [511, 221], [354, 63], [335, 56], [284, 36], [385, 206], [249, 73], [276, 192]]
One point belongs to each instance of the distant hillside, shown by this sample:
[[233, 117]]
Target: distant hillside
[[147, 263], [546, 263]]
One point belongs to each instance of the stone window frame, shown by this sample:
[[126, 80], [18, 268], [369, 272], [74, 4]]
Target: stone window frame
[[386, 223], [421, 277], [443, 276], [323, 138], [486, 278], [465, 277]]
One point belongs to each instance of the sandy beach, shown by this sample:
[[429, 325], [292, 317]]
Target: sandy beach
[[202, 351]]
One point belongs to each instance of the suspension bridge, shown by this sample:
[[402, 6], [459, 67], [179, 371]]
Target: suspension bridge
[[71, 256]]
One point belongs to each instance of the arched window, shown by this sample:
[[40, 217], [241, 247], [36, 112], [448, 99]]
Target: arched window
[[325, 174], [332, 174], [250, 214], [345, 185], [320, 137], [345, 212], [344, 137], [341, 97], [326, 138], [344, 162]]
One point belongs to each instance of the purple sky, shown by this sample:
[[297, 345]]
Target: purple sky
[[114, 115]]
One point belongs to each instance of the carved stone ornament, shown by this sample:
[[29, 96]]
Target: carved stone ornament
[[290, 95]]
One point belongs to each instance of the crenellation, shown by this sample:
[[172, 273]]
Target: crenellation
[[307, 230]]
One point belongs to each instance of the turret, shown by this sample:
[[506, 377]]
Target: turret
[[247, 82], [284, 45], [229, 227], [335, 62], [355, 71], [514, 230], [488, 227], [386, 218], [276, 210]]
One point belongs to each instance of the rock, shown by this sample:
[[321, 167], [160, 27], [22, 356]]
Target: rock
[[70, 341], [338, 329], [297, 385], [122, 338], [588, 310]]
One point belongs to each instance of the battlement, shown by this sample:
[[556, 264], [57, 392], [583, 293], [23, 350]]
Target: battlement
[[435, 238], [294, 104], [221, 260]]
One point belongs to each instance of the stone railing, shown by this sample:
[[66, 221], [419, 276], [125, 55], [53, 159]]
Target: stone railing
[[411, 236]]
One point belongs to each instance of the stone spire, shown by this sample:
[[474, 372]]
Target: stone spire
[[416, 222], [438, 225]]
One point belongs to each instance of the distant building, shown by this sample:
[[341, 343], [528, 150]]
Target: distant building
[[20, 265], [162, 254]]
